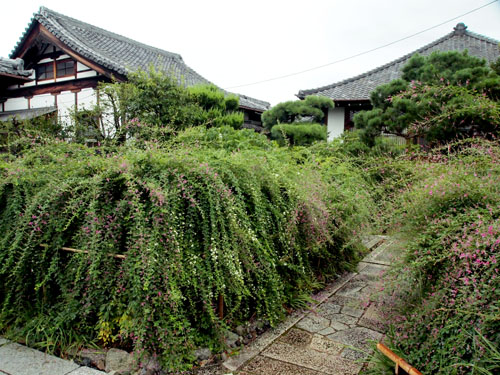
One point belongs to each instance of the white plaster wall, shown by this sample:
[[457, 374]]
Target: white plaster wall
[[336, 117], [87, 99], [14, 104], [40, 101], [91, 73], [61, 79], [80, 66], [65, 104]]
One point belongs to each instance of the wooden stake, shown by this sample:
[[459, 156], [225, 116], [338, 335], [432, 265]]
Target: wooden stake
[[71, 250], [221, 306], [400, 362]]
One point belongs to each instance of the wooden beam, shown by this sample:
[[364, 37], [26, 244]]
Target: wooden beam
[[51, 55], [221, 306], [16, 77], [55, 87], [260, 111]]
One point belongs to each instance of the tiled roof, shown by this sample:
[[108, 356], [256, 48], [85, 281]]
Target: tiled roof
[[24, 114], [118, 53], [360, 87], [14, 68]]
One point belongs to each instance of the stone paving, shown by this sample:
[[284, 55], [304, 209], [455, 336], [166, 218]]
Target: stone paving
[[17, 359], [332, 338]]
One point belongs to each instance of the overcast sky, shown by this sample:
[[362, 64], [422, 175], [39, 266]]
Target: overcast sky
[[235, 42]]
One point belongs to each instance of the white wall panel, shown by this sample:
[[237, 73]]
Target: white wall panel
[[39, 101], [86, 98], [61, 79], [91, 73], [336, 118], [80, 66], [65, 105], [14, 104]]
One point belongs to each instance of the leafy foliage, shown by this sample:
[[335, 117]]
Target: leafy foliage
[[293, 111], [194, 223], [153, 106], [439, 97], [223, 137], [444, 299], [17, 135], [299, 134]]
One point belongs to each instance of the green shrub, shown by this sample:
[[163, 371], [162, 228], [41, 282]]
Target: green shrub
[[294, 111], [298, 134], [223, 137], [445, 293], [153, 106], [195, 224]]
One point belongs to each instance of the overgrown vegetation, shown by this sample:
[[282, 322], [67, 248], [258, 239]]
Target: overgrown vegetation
[[195, 224], [152, 106], [442, 300]]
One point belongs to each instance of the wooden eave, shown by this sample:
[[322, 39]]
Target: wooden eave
[[352, 103], [55, 87], [251, 109], [40, 30], [15, 78]]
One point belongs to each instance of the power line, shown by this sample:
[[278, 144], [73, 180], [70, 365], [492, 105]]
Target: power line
[[361, 53]]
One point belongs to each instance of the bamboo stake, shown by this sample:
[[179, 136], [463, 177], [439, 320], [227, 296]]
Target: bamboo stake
[[400, 362], [71, 250]]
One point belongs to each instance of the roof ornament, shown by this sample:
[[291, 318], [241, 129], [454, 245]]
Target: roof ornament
[[15, 66], [460, 29]]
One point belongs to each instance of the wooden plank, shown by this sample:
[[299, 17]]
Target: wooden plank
[[221, 306]]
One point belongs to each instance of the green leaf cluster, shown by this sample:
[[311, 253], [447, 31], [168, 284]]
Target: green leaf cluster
[[151, 106], [299, 134], [313, 107]]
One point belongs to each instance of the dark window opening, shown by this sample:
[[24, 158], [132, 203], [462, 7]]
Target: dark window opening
[[45, 71], [65, 68]]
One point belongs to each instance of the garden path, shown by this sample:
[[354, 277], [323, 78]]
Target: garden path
[[332, 337]]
